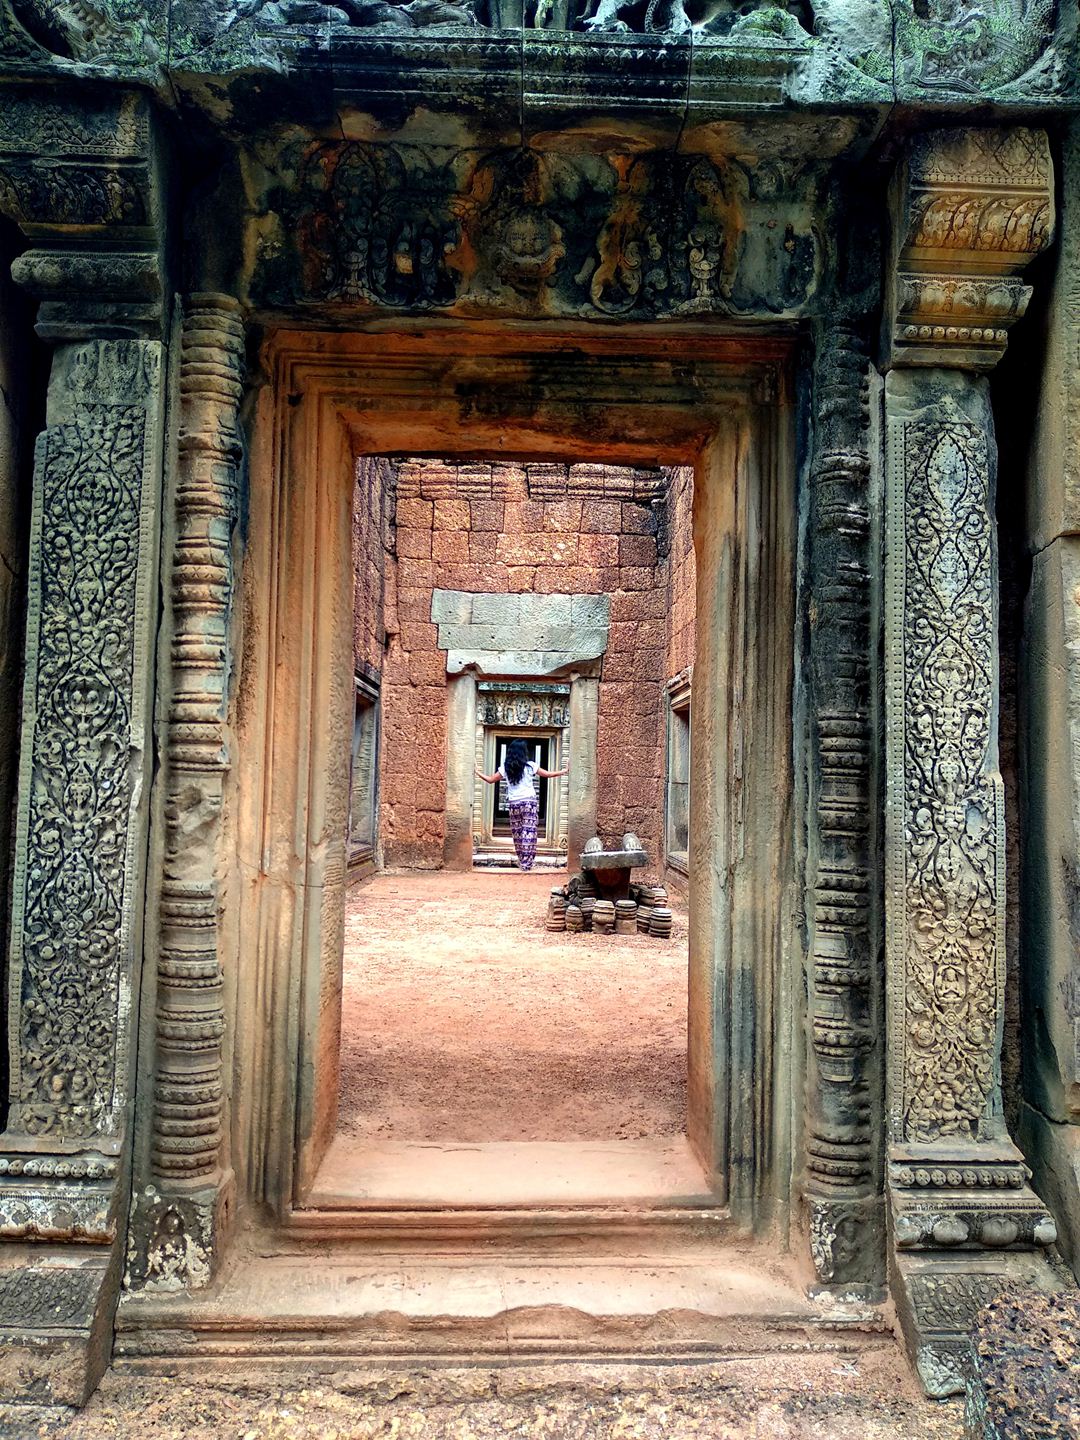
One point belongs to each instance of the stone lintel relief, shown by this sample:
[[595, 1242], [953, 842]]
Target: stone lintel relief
[[536, 234], [972, 204]]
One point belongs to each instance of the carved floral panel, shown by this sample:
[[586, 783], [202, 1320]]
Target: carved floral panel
[[70, 973], [952, 840]]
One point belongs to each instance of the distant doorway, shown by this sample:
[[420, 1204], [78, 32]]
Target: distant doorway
[[539, 748]]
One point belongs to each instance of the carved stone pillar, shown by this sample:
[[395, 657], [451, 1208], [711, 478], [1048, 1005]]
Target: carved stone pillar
[[843, 1157], [973, 207], [180, 1210], [80, 181]]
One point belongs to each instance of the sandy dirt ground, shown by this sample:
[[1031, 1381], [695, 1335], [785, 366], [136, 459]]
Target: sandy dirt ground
[[774, 1398], [465, 1020]]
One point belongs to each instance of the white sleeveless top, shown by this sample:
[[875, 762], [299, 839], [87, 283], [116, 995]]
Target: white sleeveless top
[[524, 789]]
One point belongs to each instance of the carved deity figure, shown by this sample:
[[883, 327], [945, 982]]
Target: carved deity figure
[[74, 28]]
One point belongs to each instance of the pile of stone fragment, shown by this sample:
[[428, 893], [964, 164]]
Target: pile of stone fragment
[[575, 907]]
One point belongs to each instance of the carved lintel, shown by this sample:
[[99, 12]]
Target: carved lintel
[[974, 207]]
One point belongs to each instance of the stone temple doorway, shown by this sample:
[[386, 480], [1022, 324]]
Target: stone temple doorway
[[490, 1051], [722, 417], [543, 751]]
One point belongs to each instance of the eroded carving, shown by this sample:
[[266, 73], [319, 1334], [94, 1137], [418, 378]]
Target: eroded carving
[[87, 29], [190, 1015], [840, 1159], [170, 1244], [60, 1297], [648, 17]]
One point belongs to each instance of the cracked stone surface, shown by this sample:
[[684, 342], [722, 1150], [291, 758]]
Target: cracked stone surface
[[867, 1396]]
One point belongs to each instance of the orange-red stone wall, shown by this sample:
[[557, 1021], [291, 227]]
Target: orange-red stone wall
[[539, 529], [372, 542], [682, 572]]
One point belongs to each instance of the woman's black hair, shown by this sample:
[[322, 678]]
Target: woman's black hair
[[516, 759]]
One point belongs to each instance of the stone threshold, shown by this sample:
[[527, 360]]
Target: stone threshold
[[336, 1306], [506, 860], [365, 1174]]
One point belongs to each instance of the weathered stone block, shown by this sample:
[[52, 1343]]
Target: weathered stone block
[[450, 545], [496, 610], [1051, 872], [414, 514], [1027, 1359], [637, 550], [563, 515], [452, 515], [590, 610], [601, 517], [486, 515], [598, 550]]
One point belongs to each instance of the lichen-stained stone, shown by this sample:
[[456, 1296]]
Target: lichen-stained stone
[[111, 38], [1027, 1348]]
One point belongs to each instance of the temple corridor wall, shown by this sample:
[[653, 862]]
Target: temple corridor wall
[[540, 530]]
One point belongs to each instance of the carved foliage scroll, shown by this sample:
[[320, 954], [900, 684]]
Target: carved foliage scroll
[[947, 856], [82, 745], [976, 207]]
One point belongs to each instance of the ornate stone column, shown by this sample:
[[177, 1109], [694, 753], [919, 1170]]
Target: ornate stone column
[[80, 180], [843, 1153], [180, 1209], [972, 208]]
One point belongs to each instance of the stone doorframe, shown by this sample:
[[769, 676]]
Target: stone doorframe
[[627, 399]]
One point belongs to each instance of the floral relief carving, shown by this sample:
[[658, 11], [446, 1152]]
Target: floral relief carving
[[952, 818], [977, 207], [71, 926]]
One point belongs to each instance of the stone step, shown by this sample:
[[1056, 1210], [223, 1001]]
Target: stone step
[[311, 1305], [357, 1173]]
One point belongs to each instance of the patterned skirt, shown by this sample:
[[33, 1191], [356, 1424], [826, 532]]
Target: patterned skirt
[[523, 818]]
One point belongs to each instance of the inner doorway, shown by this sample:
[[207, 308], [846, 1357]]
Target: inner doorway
[[714, 403], [540, 755], [488, 1052]]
